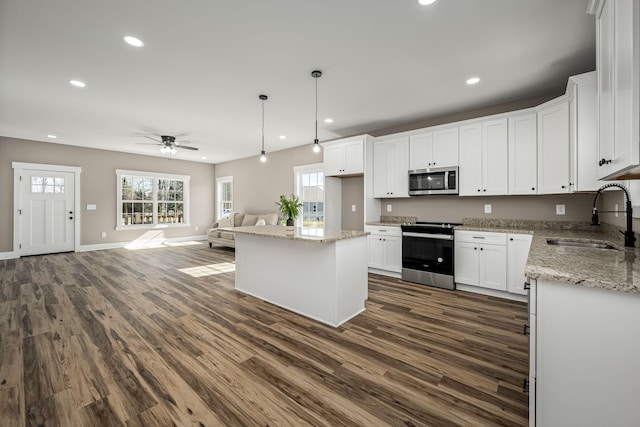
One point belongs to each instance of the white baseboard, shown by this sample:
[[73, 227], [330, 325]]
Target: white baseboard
[[9, 255], [140, 243], [491, 292], [385, 272]]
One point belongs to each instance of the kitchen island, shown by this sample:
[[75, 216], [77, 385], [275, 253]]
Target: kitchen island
[[311, 271]]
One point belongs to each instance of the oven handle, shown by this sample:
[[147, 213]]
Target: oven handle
[[428, 236]]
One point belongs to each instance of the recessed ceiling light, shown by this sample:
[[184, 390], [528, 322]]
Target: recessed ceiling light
[[51, 136], [473, 80], [328, 120], [133, 41], [77, 83], [283, 136], [426, 2]]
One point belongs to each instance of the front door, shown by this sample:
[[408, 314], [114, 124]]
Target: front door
[[47, 213]]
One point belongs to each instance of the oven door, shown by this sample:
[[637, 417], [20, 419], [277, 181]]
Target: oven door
[[428, 252]]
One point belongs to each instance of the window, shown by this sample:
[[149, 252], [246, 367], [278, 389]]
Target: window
[[224, 196], [310, 190], [150, 199], [47, 184]]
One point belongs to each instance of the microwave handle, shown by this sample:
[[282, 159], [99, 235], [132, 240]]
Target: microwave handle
[[446, 180]]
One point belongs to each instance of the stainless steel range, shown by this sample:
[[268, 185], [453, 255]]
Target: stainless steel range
[[427, 253]]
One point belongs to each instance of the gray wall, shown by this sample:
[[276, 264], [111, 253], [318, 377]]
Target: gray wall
[[353, 194], [98, 186], [257, 186]]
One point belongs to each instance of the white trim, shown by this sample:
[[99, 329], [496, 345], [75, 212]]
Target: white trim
[[118, 245], [297, 187], [9, 255], [491, 292], [18, 167]]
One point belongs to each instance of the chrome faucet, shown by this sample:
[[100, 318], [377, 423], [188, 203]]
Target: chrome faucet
[[629, 237]]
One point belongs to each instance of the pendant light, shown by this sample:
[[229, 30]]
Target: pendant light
[[263, 154], [316, 75]]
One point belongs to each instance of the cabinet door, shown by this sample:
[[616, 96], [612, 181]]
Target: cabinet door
[[333, 160], [420, 151], [399, 167], [604, 65], [444, 150], [381, 169], [523, 154], [518, 246], [376, 253], [354, 157], [393, 253], [493, 267], [584, 142], [466, 263], [553, 148], [494, 157], [470, 179]]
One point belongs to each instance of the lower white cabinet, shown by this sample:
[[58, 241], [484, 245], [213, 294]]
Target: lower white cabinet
[[384, 246], [481, 259], [518, 246], [584, 349]]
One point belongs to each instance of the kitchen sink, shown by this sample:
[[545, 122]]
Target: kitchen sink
[[589, 245]]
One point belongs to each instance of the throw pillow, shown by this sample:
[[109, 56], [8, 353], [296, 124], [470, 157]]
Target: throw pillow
[[261, 222], [249, 220]]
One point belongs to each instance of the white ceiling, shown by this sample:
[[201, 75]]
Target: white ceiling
[[384, 63]]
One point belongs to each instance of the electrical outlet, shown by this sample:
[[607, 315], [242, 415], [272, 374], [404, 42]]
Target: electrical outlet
[[196, 228], [353, 208], [389, 208], [560, 210], [615, 208], [487, 208], [104, 234]]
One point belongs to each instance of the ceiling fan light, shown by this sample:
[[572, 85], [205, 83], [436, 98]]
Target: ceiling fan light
[[173, 150]]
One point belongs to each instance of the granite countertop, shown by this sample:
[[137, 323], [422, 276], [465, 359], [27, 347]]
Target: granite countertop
[[384, 224], [305, 234], [613, 269]]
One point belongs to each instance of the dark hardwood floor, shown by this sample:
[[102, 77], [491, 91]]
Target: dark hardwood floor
[[160, 337]]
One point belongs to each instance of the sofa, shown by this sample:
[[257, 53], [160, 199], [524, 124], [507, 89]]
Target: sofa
[[221, 232]]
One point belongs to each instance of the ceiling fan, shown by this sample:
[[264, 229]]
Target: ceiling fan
[[169, 144]]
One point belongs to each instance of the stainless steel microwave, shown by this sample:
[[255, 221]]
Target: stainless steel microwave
[[433, 181]]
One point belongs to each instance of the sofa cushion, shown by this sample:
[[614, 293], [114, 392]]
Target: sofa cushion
[[237, 219], [269, 219], [213, 233], [229, 235], [261, 221], [249, 219], [225, 222]]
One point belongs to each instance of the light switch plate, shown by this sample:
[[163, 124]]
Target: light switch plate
[[104, 234], [353, 208], [389, 208], [487, 208], [91, 207], [560, 210]]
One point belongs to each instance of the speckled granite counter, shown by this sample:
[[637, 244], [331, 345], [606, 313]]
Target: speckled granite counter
[[613, 269], [305, 234]]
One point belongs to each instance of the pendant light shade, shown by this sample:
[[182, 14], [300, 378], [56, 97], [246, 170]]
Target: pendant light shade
[[263, 154], [316, 74]]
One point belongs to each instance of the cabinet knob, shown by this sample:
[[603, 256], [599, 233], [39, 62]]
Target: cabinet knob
[[482, 249], [525, 329], [475, 249], [511, 238], [484, 189], [564, 186], [478, 190], [533, 188], [525, 385]]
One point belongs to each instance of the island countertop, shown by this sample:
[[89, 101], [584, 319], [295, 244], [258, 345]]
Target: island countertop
[[305, 234]]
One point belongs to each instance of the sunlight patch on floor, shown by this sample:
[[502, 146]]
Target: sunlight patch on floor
[[209, 270]]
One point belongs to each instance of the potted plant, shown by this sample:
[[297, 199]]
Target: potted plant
[[290, 208]]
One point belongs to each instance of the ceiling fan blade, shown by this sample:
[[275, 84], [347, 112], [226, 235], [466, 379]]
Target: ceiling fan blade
[[153, 139], [148, 143], [186, 147]]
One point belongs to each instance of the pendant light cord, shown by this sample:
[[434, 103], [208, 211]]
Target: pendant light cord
[[263, 125], [316, 140]]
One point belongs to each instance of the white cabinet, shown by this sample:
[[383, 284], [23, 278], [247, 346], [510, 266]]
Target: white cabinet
[[584, 348], [385, 248], [481, 259], [391, 167], [582, 92], [518, 246], [553, 147], [523, 154], [434, 149], [483, 158], [618, 66], [344, 157]]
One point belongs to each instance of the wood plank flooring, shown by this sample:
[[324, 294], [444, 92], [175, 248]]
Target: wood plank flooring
[[159, 337]]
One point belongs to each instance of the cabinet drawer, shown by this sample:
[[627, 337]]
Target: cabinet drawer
[[384, 230], [481, 237]]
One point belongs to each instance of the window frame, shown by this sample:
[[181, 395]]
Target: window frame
[[155, 177], [298, 171], [219, 182]]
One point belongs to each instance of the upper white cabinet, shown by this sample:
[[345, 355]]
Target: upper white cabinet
[[582, 92], [523, 154], [553, 147], [391, 167], [434, 149], [483, 158], [344, 157], [618, 66]]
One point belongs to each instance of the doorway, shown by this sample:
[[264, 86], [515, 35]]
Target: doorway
[[45, 208]]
